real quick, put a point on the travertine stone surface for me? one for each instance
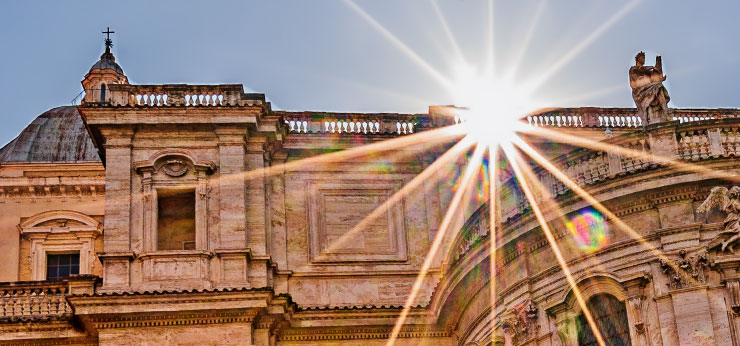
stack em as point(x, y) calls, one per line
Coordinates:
point(278, 256)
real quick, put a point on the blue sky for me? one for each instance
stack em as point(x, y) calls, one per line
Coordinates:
point(324, 55)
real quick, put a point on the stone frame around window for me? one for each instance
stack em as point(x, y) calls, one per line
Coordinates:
point(173, 170)
point(60, 238)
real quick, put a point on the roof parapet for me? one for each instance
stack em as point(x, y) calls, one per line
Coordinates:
point(182, 95)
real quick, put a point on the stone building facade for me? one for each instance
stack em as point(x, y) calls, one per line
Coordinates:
point(196, 214)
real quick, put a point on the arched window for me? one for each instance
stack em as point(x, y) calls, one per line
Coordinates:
point(102, 92)
point(610, 316)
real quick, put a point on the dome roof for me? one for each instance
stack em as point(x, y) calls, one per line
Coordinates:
point(107, 64)
point(107, 61)
point(57, 135)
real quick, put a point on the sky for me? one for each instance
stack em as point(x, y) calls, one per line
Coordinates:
point(369, 56)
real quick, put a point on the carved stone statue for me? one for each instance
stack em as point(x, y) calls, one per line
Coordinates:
point(727, 201)
point(650, 96)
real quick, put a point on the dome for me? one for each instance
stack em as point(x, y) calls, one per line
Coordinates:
point(107, 64)
point(107, 61)
point(57, 135)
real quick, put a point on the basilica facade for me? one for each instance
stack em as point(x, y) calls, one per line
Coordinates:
point(179, 214)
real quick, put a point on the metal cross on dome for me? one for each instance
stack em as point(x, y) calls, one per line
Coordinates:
point(108, 41)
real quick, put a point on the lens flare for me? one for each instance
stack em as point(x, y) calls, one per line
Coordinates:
point(588, 230)
point(491, 107)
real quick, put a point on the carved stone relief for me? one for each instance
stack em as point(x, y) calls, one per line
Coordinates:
point(687, 271)
point(523, 324)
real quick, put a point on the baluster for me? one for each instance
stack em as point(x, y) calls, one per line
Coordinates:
point(32, 302)
point(731, 142)
point(24, 303)
point(696, 150)
point(682, 145)
point(65, 307)
point(706, 150)
point(4, 300)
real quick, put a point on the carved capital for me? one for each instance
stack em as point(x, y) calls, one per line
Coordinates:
point(523, 323)
point(687, 271)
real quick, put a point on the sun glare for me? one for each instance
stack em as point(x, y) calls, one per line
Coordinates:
point(491, 108)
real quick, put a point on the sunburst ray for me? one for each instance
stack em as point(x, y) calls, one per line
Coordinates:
point(524, 184)
point(470, 172)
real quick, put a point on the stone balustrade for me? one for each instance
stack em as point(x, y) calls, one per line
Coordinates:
point(694, 141)
point(618, 117)
point(352, 124)
point(179, 95)
point(37, 299)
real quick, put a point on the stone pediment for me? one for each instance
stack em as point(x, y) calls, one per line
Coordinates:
point(59, 221)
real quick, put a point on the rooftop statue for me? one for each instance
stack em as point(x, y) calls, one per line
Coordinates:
point(650, 96)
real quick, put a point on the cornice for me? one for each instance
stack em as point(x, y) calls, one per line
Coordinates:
point(174, 318)
point(76, 341)
point(358, 333)
point(47, 187)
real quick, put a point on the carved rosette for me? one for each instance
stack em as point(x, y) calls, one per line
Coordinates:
point(523, 323)
point(688, 271)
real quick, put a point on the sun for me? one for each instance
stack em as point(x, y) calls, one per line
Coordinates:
point(490, 108)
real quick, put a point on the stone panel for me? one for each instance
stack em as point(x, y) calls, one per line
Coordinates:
point(336, 209)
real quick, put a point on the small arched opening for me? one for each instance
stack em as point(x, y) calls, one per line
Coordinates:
point(610, 316)
point(102, 92)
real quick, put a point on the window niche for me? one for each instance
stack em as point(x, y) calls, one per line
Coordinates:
point(176, 219)
point(610, 316)
point(174, 202)
point(60, 243)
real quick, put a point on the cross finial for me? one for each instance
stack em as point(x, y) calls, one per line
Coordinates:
point(108, 41)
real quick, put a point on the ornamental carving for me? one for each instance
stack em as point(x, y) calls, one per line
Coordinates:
point(175, 168)
point(687, 271)
point(728, 202)
point(523, 324)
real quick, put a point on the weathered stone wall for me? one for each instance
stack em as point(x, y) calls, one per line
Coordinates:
point(31, 190)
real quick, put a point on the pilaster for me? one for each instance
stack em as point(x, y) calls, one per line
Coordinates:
point(232, 193)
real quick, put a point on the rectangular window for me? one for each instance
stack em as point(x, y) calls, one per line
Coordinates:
point(175, 219)
point(62, 266)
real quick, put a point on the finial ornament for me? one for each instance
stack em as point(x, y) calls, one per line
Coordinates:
point(651, 97)
point(108, 41)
